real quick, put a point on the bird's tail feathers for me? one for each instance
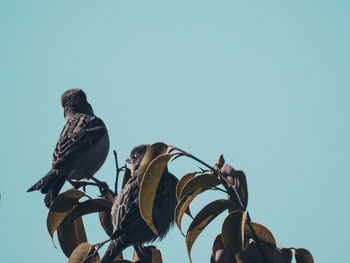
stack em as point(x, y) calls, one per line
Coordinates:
point(46, 180)
point(54, 190)
point(50, 185)
point(113, 250)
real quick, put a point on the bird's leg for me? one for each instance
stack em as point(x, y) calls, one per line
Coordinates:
point(77, 184)
point(102, 186)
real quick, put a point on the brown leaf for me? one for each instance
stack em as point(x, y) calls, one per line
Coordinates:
point(106, 218)
point(182, 182)
point(84, 253)
point(151, 153)
point(262, 233)
point(61, 206)
point(203, 218)
point(303, 255)
point(233, 231)
point(183, 205)
point(252, 254)
point(148, 188)
point(70, 235)
point(219, 253)
point(203, 181)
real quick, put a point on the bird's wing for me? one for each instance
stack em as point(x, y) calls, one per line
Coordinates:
point(80, 133)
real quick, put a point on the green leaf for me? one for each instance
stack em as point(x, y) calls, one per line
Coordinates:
point(151, 153)
point(303, 255)
point(233, 231)
point(148, 188)
point(182, 182)
point(83, 253)
point(262, 233)
point(61, 206)
point(203, 218)
point(70, 235)
point(205, 181)
point(183, 205)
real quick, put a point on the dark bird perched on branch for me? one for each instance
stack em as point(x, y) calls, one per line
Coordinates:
point(128, 225)
point(81, 148)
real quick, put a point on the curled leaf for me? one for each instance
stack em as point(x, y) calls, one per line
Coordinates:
point(233, 231)
point(204, 181)
point(243, 188)
point(261, 232)
point(183, 205)
point(182, 182)
point(70, 235)
point(151, 153)
point(303, 255)
point(90, 206)
point(203, 218)
point(84, 253)
point(148, 188)
point(61, 206)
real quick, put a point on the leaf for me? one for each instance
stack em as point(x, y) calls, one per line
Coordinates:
point(283, 255)
point(243, 188)
point(150, 254)
point(183, 205)
point(303, 255)
point(253, 253)
point(70, 235)
point(151, 153)
point(90, 206)
point(220, 162)
point(106, 218)
point(156, 254)
point(182, 182)
point(81, 253)
point(262, 233)
point(219, 253)
point(148, 188)
point(61, 206)
point(230, 174)
point(203, 218)
point(201, 181)
point(233, 230)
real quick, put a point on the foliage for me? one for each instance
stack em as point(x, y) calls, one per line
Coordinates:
point(240, 240)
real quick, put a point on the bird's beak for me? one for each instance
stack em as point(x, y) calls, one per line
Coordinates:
point(128, 160)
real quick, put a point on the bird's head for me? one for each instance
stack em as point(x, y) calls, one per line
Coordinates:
point(136, 156)
point(74, 101)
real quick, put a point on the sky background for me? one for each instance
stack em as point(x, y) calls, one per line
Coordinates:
point(266, 83)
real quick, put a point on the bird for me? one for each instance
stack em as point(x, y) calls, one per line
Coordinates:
point(81, 149)
point(128, 225)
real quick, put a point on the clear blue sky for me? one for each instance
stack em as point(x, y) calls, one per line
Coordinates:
point(266, 83)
